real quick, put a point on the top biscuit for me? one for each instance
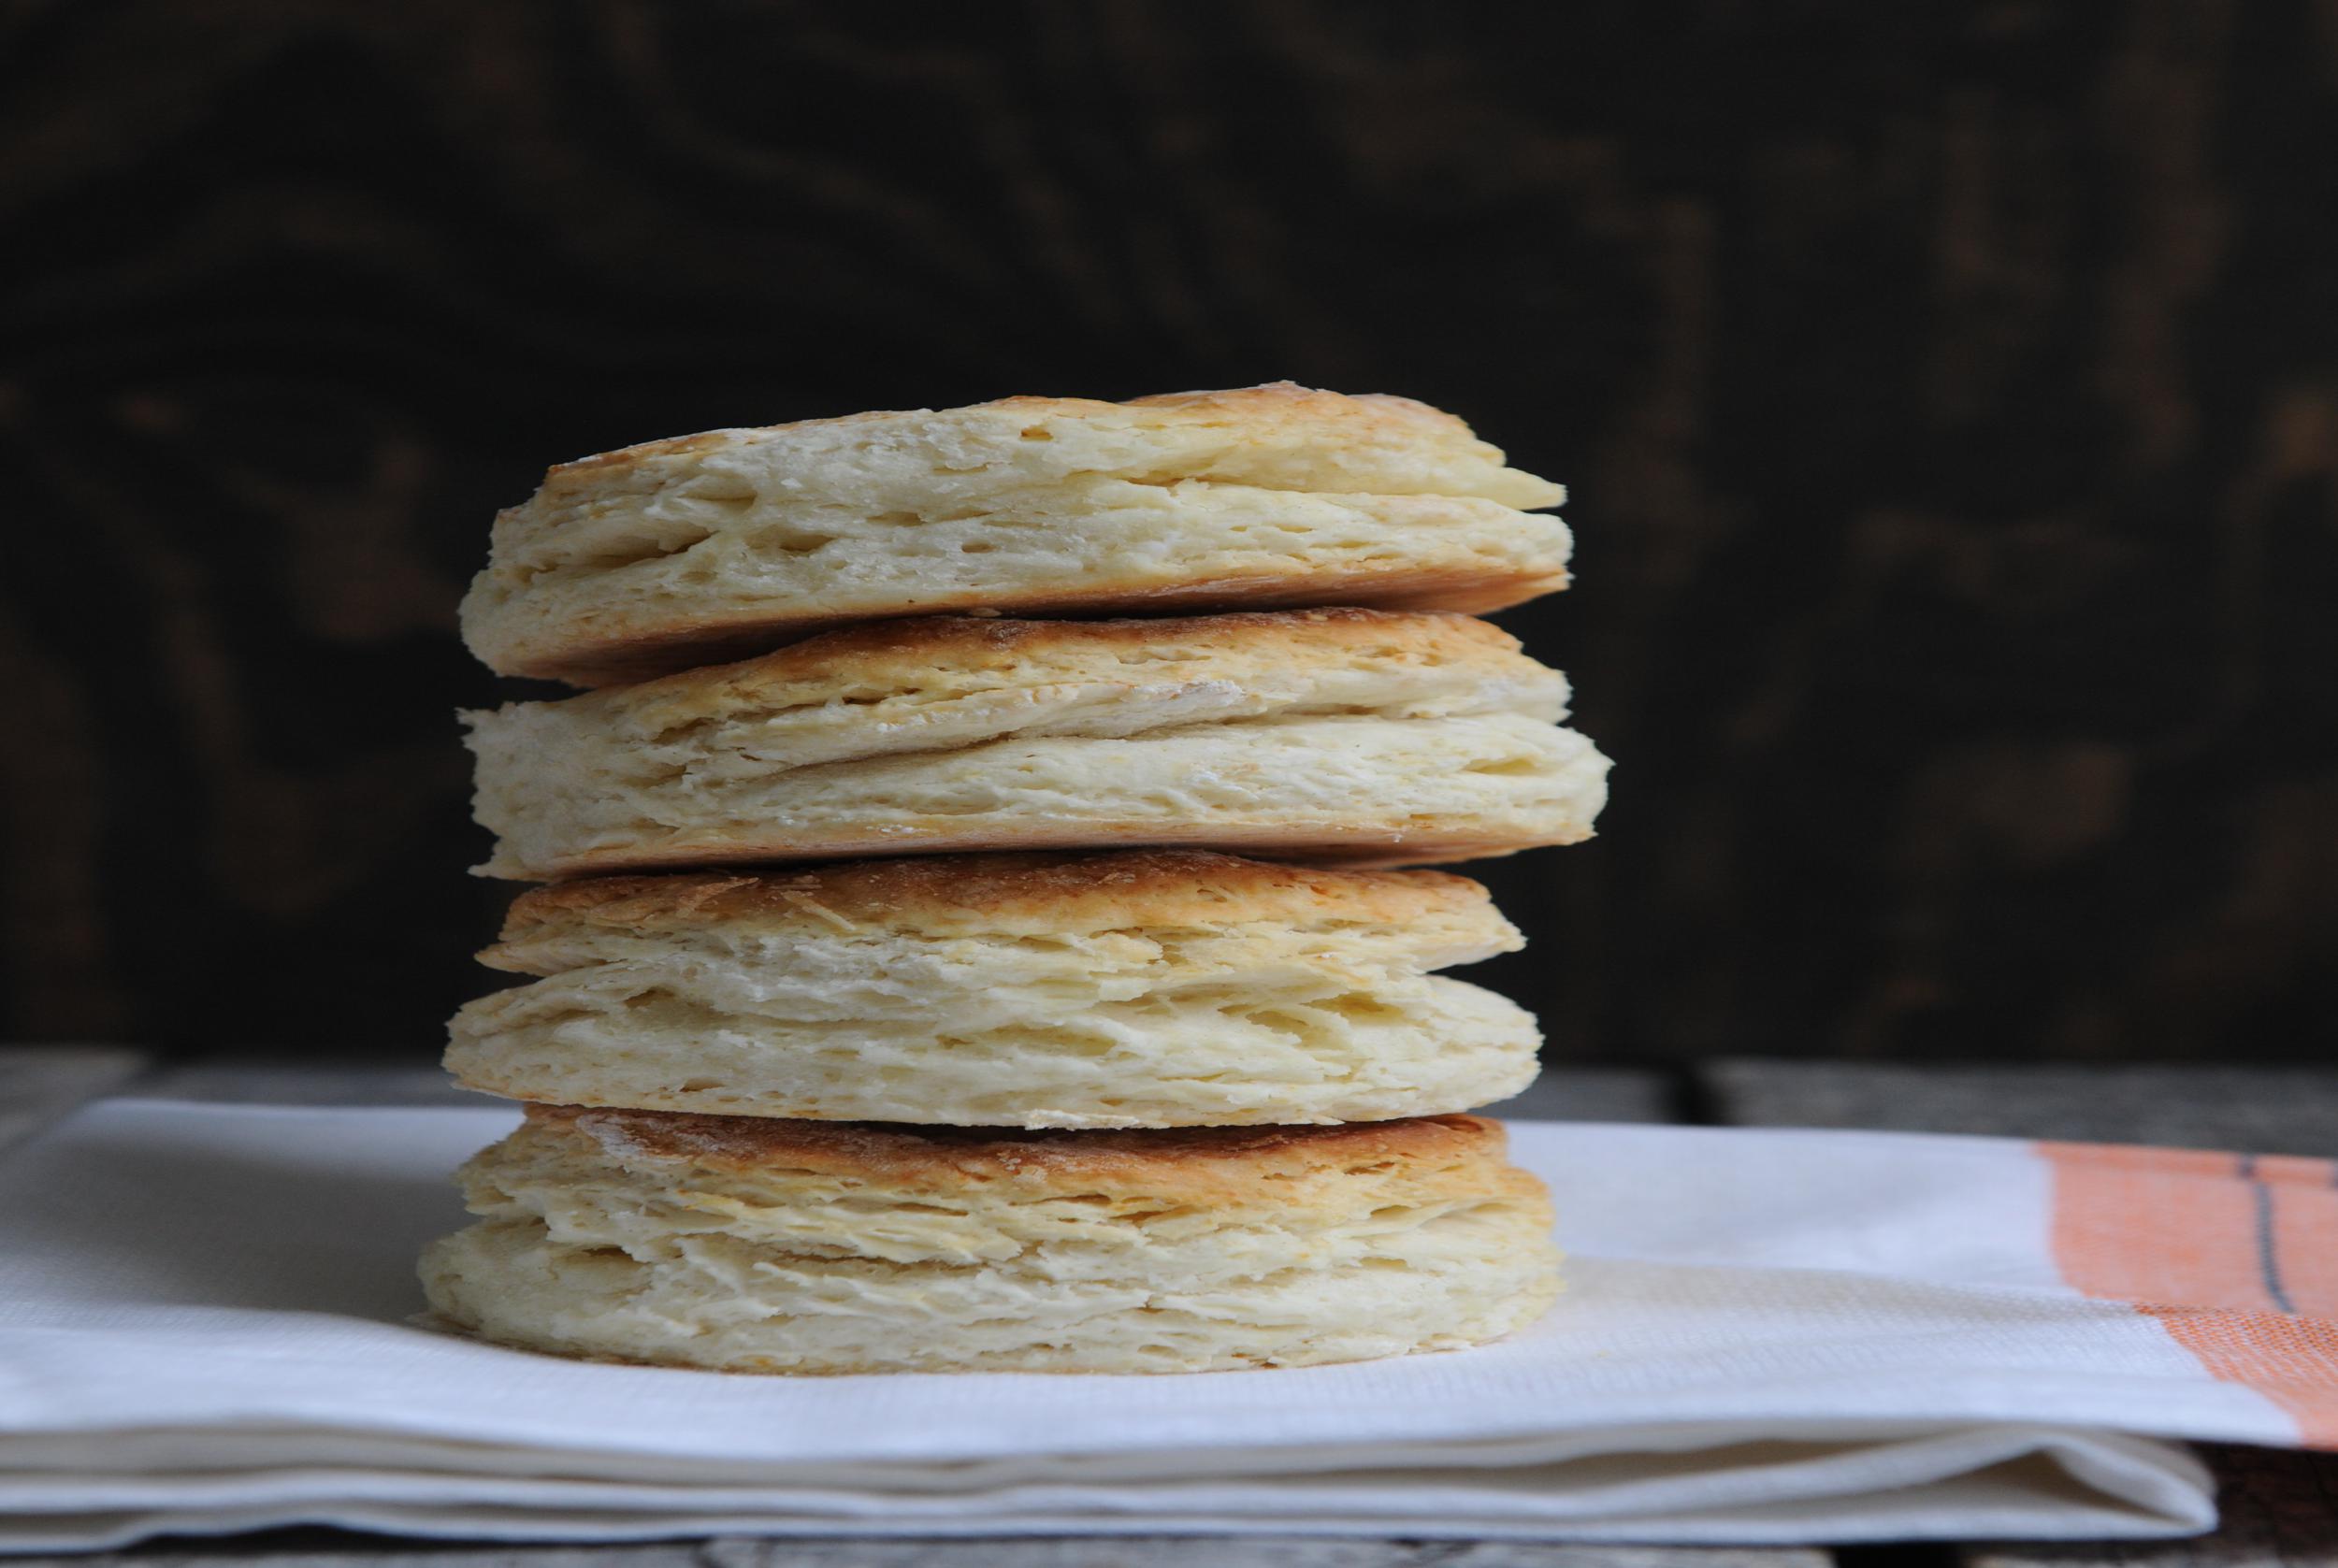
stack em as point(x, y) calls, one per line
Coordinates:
point(704, 548)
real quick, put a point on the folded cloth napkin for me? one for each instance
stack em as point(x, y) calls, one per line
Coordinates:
point(1767, 1336)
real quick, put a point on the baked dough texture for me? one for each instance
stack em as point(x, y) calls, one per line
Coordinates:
point(1364, 736)
point(709, 547)
point(750, 1244)
point(1144, 988)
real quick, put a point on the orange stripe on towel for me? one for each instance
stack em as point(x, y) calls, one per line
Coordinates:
point(2236, 1255)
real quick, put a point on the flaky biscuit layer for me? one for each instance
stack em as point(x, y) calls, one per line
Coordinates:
point(1351, 735)
point(706, 547)
point(1160, 988)
point(757, 1245)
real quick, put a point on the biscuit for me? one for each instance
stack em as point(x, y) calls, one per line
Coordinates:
point(710, 547)
point(749, 1245)
point(1145, 989)
point(1358, 735)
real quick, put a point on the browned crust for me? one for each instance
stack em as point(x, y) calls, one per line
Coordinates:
point(1281, 403)
point(1007, 892)
point(906, 654)
point(1276, 408)
point(588, 657)
point(955, 1158)
point(590, 468)
point(1360, 846)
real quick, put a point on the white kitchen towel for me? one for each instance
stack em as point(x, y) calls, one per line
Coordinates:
point(1767, 1336)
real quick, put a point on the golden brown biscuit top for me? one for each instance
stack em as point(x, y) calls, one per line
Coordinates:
point(1419, 1154)
point(865, 663)
point(907, 649)
point(1007, 893)
point(1275, 414)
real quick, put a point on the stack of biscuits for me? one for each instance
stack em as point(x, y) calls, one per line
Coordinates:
point(967, 939)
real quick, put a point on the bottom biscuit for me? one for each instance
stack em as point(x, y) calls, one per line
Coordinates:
point(754, 1244)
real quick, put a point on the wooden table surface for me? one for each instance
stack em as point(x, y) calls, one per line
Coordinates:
point(2280, 1508)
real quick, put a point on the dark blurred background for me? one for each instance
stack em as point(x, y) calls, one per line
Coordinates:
point(1949, 395)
